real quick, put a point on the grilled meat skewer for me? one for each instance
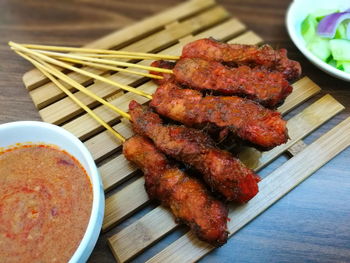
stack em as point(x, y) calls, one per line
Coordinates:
point(246, 119)
point(264, 57)
point(187, 198)
point(221, 171)
point(267, 88)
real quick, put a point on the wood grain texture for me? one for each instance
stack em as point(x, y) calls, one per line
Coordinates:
point(309, 224)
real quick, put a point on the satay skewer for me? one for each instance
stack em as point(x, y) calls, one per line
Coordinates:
point(205, 215)
point(100, 60)
point(51, 70)
point(256, 129)
point(117, 53)
point(103, 66)
point(240, 182)
point(78, 70)
point(111, 56)
point(40, 66)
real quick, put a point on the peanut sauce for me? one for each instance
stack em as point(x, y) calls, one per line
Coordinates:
point(45, 204)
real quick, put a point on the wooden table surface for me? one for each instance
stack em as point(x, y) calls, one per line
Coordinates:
point(310, 224)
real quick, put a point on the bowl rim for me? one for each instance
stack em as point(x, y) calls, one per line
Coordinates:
point(94, 225)
point(298, 41)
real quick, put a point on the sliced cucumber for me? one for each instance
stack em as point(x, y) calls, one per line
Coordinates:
point(336, 51)
point(340, 49)
point(321, 13)
point(343, 65)
point(339, 64)
point(346, 66)
point(341, 32)
point(308, 28)
point(333, 62)
point(320, 48)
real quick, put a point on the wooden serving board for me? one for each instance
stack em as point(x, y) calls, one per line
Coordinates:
point(166, 33)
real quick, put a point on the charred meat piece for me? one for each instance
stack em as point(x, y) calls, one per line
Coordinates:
point(221, 171)
point(215, 132)
point(264, 57)
point(187, 198)
point(166, 76)
point(267, 88)
point(246, 119)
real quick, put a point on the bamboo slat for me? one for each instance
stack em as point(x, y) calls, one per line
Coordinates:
point(250, 38)
point(123, 197)
point(116, 170)
point(83, 126)
point(297, 148)
point(298, 126)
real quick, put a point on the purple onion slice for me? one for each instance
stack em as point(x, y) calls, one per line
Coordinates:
point(328, 25)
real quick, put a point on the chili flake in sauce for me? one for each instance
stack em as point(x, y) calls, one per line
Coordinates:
point(45, 204)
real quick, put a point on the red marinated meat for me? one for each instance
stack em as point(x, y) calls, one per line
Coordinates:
point(267, 88)
point(166, 76)
point(246, 119)
point(187, 197)
point(220, 170)
point(263, 57)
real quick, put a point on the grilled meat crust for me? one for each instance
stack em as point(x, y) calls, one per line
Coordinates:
point(220, 170)
point(246, 119)
point(187, 197)
point(267, 88)
point(264, 57)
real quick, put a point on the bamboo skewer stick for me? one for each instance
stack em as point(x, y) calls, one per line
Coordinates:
point(42, 68)
point(102, 51)
point(83, 72)
point(103, 61)
point(111, 56)
point(78, 86)
point(103, 66)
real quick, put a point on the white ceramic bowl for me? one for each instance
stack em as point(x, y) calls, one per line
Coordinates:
point(296, 13)
point(33, 132)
